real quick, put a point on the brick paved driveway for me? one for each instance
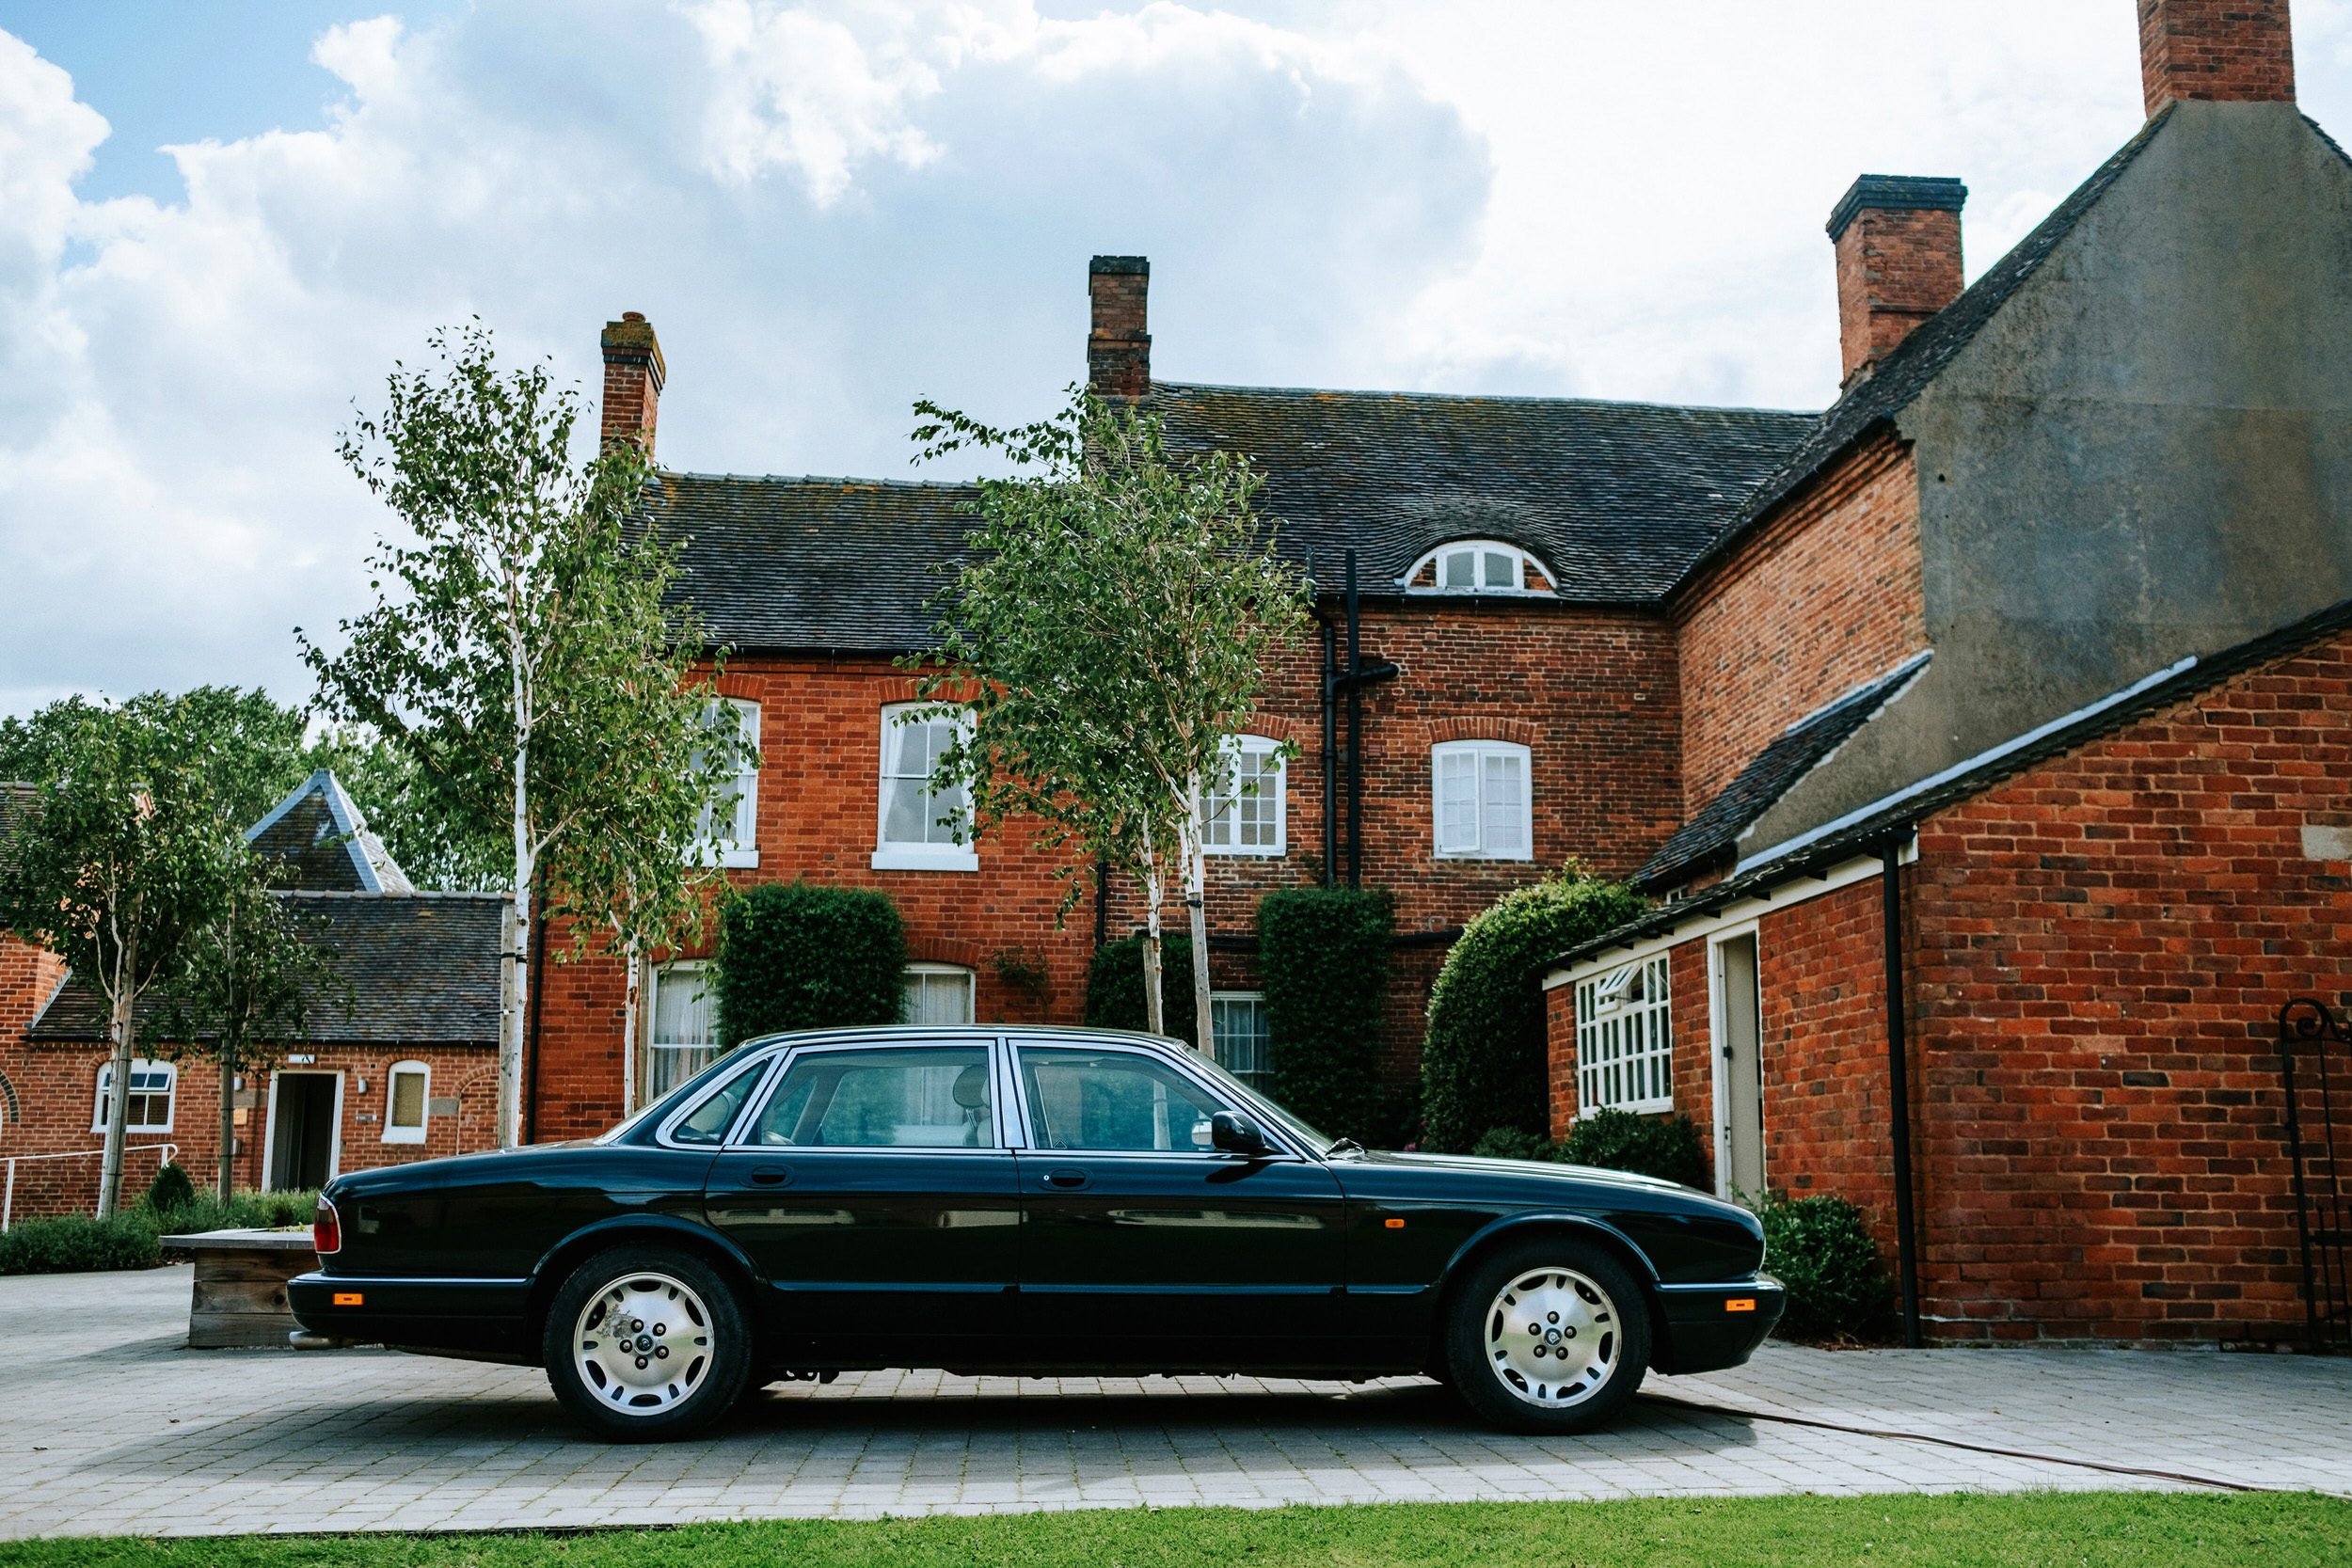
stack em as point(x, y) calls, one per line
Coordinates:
point(112, 1426)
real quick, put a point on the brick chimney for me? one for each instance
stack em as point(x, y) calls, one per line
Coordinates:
point(1897, 242)
point(1119, 349)
point(2235, 51)
point(632, 380)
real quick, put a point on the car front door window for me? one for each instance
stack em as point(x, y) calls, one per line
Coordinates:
point(1114, 1103)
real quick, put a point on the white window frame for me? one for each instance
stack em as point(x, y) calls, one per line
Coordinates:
point(1625, 1038)
point(971, 986)
point(678, 970)
point(171, 1092)
point(1519, 562)
point(1482, 751)
point(1260, 1079)
point(394, 1133)
point(1277, 785)
point(900, 855)
point(739, 844)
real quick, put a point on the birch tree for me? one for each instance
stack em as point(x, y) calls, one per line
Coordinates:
point(1109, 634)
point(523, 648)
point(113, 861)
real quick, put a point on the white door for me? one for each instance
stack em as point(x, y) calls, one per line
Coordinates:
point(1739, 1070)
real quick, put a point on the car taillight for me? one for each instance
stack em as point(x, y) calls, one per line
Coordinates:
point(326, 1229)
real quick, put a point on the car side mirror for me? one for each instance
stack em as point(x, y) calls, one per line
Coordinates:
point(1232, 1133)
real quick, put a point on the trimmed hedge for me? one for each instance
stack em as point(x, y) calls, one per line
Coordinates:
point(1821, 1252)
point(1482, 1059)
point(1323, 959)
point(797, 956)
point(76, 1243)
point(1114, 997)
point(172, 1189)
point(1667, 1147)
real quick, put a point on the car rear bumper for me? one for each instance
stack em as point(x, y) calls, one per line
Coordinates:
point(1709, 1327)
point(482, 1316)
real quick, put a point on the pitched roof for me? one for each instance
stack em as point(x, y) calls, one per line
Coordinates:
point(420, 968)
point(777, 563)
point(321, 834)
point(1613, 497)
point(1894, 815)
point(1906, 372)
point(1711, 837)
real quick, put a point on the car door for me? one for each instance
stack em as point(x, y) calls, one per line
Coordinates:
point(1142, 1245)
point(873, 1190)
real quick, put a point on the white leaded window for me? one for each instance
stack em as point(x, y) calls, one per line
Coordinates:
point(1237, 1035)
point(1244, 812)
point(728, 834)
point(1624, 1039)
point(151, 1087)
point(937, 994)
point(406, 1089)
point(922, 829)
point(1480, 788)
point(1478, 566)
point(683, 1037)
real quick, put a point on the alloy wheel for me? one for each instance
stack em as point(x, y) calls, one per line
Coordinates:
point(1552, 1338)
point(643, 1344)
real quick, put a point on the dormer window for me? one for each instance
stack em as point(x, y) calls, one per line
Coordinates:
point(1478, 566)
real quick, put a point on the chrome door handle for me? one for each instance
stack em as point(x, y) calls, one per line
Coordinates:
point(1066, 1180)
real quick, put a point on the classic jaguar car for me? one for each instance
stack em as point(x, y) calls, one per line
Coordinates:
point(1024, 1200)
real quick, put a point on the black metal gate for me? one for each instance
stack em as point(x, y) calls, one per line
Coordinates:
point(2315, 1060)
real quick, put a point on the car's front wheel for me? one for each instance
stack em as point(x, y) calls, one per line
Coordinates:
point(645, 1345)
point(1547, 1335)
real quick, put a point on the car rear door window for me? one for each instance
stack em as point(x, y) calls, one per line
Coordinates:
point(910, 1097)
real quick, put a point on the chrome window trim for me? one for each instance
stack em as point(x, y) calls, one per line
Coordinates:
point(914, 1036)
point(1284, 1148)
point(757, 1096)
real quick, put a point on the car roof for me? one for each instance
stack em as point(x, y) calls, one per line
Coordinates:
point(883, 1032)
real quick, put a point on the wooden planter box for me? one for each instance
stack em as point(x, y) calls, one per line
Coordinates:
point(240, 1294)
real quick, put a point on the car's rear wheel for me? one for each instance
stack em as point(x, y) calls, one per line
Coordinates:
point(643, 1345)
point(1547, 1335)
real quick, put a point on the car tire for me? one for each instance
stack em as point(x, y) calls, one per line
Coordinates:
point(1547, 1335)
point(680, 1360)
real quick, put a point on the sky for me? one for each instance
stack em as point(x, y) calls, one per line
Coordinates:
point(222, 222)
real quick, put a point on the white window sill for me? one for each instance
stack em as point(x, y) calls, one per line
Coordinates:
point(744, 860)
point(405, 1136)
point(1479, 855)
point(940, 857)
point(1251, 853)
point(1639, 1107)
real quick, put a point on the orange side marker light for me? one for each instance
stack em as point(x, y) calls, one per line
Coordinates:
point(1740, 1304)
point(1393, 1224)
point(350, 1298)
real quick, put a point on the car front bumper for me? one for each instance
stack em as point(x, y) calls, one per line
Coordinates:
point(1706, 1328)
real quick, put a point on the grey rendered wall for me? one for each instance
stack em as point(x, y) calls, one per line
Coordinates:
point(2145, 454)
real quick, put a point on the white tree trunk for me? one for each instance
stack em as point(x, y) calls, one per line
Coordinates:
point(1196, 902)
point(516, 994)
point(117, 1102)
point(1153, 1019)
point(632, 994)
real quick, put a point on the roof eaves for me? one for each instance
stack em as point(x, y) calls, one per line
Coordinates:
point(1894, 815)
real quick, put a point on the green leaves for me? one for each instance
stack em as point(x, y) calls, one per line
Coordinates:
point(1323, 954)
point(795, 956)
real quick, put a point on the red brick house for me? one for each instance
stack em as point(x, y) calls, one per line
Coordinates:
point(401, 1065)
point(2017, 725)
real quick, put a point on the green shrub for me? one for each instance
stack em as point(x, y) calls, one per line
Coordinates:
point(1115, 987)
point(205, 1211)
point(75, 1244)
point(1821, 1251)
point(1667, 1147)
point(796, 955)
point(1323, 958)
point(172, 1189)
point(1510, 1143)
point(1482, 1059)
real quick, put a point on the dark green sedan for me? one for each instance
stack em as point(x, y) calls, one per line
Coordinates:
point(1024, 1200)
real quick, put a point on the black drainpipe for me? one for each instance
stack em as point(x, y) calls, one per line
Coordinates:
point(1330, 760)
point(1899, 1089)
point(1101, 902)
point(1355, 678)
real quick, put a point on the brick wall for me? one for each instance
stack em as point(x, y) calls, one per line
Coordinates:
point(1824, 597)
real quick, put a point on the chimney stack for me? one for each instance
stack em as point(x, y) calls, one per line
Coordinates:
point(1897, 242)
point(632, 380)
point(2235, 51)
point(1118, 348)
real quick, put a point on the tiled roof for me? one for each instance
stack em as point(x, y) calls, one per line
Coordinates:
point(1615, 497)
point(1906, 372)
point(422, 968)
point(1711, 838)
point(814, 564)
point(319, 833)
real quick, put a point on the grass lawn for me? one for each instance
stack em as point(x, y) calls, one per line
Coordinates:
point(2271, 1531)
